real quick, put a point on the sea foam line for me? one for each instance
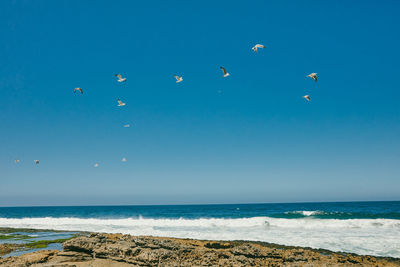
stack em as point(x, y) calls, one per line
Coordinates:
point(202, 222)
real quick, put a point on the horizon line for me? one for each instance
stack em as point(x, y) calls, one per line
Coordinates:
point(197, 204)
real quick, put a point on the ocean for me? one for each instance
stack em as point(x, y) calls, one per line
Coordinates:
point(367, 228)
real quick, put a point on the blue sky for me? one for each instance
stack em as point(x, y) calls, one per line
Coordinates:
point(255, 141)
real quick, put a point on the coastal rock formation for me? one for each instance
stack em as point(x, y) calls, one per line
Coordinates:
point(7, 248)
point(125, 250)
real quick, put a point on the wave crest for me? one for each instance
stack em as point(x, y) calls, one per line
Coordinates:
point(306, 212)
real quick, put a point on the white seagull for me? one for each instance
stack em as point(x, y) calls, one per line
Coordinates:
point(127, 125)
point(226, 74)
point(78, 89)
point(120, 103)
point(255, 48)
point(178, 78)
point(307, 97)
point(17, 161)
point(120, 79)
point(96, 165)
point(36, 161)
point(123, 160)
point(313, 76)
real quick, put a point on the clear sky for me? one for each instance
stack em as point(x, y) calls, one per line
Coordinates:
point(246, 138)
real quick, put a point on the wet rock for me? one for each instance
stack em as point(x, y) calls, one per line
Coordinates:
point(5, 249)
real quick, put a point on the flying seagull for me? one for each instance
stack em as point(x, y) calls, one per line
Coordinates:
point(120, 103)
point(78, 89)
point(255, 48)
point(313, 76)
point(226, 74)
point(123, 160)
point(120, 79)
point(307, 97)
point(36, 161)
point(17, 161)
point(127, 125)
point(178, 78)
point(96, 165)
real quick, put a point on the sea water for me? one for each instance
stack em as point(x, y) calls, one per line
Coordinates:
point(371, 228)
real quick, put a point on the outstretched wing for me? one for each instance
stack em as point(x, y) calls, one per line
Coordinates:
point(223, 69)
point(119, 76)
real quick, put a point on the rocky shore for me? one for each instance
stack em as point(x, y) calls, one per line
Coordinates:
point(118, 250)
point(7, 248)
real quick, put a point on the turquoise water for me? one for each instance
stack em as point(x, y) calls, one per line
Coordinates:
point(37, 236)
point(331, 210)
point(371, 228)
point(53, 246)
point(28, 237)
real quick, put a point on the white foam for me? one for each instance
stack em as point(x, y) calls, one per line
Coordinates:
point(380, 237)
point(305, 212)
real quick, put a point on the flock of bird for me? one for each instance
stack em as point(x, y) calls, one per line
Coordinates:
point(178, 80)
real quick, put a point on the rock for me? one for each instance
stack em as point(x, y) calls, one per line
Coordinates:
point(7, 248)
point(30, 259)
point(118, 250)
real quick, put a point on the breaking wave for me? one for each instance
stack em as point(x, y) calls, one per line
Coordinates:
point(307, 212)
point(336, 215)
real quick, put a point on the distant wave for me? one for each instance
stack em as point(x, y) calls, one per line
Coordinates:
point(306, 212)
point(336, 215)
point(326, 214)
point(380, 237)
